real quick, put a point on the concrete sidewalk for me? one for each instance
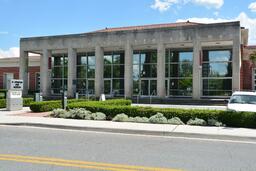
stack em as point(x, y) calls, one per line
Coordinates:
point(130, 128)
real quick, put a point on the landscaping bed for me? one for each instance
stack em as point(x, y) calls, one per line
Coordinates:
point(121, 110)
point(26, 102)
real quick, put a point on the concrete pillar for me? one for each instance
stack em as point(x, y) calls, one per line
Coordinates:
point(99, 71)
point(45, 84)
point(161, 92)
point(236, 63)
point(71, 72)
point(23, 72)
point(197, 70)
point(128, 69)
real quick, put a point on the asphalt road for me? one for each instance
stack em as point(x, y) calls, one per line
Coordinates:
point(36, 149)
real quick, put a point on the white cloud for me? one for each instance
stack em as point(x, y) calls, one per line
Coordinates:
point(252, 7)
point(11, 52)
point(245, 21)
point(164, 5)
point(209, 3)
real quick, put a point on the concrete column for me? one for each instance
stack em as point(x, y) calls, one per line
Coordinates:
point(45, 84)
point(23, 72)
point(236, 64)
point(161, 92)
point(128, 68)
point(99, 71)
point(197, 70)
point(71, 72)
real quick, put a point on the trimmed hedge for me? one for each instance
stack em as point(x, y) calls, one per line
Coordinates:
point(46, 106)
point(229, 118)
point(26, 102)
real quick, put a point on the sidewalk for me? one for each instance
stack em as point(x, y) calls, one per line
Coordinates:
point(124, 127)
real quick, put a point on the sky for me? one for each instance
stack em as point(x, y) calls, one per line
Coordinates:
point(28, 18)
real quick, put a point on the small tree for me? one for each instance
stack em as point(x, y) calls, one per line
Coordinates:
point(253, 57)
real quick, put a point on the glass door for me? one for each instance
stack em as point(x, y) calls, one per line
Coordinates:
point(148, 87)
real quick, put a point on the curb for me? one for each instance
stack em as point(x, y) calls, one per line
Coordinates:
point(136, 132)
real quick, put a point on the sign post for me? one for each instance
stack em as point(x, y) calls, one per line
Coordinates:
point(14, 95)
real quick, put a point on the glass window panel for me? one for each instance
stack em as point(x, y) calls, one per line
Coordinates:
point(174, 70)
point(217, 55)
point(91, 86)
point(81, 71)
point(136, 72)
point(57, 72)
point(91, 60)
point(56, 61)
point(153, 57)
point(185, 56)
point(65, 72)
point(118, 71)
point(107, 86)
point(217, 84)
point(153, 87)
point(107, 71)
point(90, 71)
point(56, 84)
point(108, 59)
point(144, 87)
point(185, 70)
point(136, 88)
point(217, 69)
point(167, 56)
point(118, 58)
point(65, 58)
point(174, 57)
point(142, 58)
point(118, 86)
point(136, 58)
point(166, 70)
point(81, 84)
point(148, 71)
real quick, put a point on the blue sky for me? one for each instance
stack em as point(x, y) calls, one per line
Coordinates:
point(26, 18)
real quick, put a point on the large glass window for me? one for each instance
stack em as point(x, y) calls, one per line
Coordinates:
point(85, 73)
point(217, 72)
point(114, 73)
point(144, 72)
point(59, 73)
point(179, 72)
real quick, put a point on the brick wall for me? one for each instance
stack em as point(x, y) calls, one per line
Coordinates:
point(246, 75)
point(15, 70)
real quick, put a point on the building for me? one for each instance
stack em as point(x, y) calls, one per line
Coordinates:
point(9, 69)
point(185, 59)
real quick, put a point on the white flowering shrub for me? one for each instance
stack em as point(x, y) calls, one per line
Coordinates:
point(196, 121)
point(98, 116)
point(79, 114)
point(158, 118)
point(175, 121)
point(138, 119)
point(58, 113)
point(214, 122)
point(121, 118)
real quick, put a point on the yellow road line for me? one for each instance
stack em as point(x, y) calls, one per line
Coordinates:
point(58, 161)
point(64, 164)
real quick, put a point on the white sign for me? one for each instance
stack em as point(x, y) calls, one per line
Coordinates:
point(15, 85)
point(102, 97)
point(15, 94)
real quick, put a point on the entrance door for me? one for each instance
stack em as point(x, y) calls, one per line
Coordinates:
point(148, 87)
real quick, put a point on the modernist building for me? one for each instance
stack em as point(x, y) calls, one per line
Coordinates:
point(165, 60)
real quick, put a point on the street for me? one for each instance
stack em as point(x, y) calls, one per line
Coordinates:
point(43, 149)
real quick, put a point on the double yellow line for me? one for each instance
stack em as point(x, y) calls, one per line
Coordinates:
point(77, 163)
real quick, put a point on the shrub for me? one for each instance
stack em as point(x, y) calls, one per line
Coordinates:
point(26, 102)
point(98, 116)
point(214, 122)
point(175, 121)
point(45, 106)
point(79, 114)
point(196, 121)
point(121, 118)
point(58, 112)
point(159, 118)
point(138, 119)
